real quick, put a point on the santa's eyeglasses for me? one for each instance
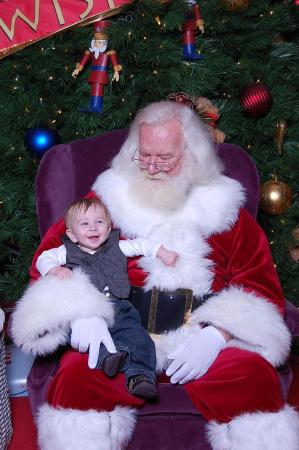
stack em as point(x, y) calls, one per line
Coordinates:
point(144, 163)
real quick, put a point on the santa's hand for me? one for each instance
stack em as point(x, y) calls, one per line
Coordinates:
point(193, 358)
point(60, 272)
point(168, 257)
point(88, 334)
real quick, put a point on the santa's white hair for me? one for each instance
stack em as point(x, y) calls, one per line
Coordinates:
point(198, 142)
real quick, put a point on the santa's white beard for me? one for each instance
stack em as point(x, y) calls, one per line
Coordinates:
point(160, 190)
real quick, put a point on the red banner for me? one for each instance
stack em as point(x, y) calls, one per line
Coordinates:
point(23, 22)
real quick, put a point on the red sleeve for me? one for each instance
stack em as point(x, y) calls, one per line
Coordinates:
point(51, 239)
point(197, 12)
point(85, 58)
point(242, 258)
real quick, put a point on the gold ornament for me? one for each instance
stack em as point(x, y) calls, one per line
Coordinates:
point(295, 234)
point(235, 5)
point(294, 252)
point(294, 248)
point(275, 197)
point(281, 131)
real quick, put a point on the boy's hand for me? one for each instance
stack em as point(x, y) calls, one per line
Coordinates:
point(168, 257)
point(60, 272)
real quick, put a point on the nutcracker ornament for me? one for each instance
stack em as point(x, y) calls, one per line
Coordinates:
point(100, 59)
point(192, 24)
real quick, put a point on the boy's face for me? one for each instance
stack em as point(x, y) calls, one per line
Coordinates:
point(90, 228)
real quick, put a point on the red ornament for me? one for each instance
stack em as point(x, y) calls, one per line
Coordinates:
point(181, 97)
point(256, 100)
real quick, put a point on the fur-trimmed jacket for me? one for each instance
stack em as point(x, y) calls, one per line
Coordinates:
point(222, 251)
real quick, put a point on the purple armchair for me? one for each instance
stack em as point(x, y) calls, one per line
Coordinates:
point(67, 172)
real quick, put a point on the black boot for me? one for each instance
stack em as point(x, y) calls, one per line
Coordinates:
point(113, 362)
point(142, 386)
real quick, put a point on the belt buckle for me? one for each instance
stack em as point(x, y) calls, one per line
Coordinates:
point(188, 293)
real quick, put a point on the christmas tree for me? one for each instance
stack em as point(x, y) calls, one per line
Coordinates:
point(245, 44)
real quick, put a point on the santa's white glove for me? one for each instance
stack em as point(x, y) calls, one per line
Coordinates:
point(88, 334)
point(192, 359)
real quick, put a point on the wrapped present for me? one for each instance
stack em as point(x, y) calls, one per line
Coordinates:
point(18, 363)
point(5, 414)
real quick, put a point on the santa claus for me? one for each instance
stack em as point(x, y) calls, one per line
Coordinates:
point(166, 184)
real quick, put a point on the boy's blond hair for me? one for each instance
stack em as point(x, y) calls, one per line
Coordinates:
point(84, 204)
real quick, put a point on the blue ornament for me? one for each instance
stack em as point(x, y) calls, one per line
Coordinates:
point(39, 140)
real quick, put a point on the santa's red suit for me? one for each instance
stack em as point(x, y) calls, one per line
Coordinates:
point(222, 251)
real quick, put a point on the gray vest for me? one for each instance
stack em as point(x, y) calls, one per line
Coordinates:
point(106, 267)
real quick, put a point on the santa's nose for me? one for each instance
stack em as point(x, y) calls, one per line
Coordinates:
point(152, 169)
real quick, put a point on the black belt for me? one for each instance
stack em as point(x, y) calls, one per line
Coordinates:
point(162, 311)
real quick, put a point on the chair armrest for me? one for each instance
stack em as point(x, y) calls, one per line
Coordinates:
point(292, 318)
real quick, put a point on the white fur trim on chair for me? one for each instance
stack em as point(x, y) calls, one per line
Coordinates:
point(257, 431)
point(42, 317)
point(69, 429)
point(254, 322)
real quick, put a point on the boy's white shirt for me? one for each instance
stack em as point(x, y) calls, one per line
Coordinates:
point(130, 247)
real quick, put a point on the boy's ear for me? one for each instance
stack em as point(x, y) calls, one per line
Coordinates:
point(71, 236)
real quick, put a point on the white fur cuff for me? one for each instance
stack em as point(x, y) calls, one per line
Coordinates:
point(69, 429)
point(254, 322)
point(42, 317)
point(257, 431)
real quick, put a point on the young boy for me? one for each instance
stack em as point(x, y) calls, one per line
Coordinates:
point(90, 244)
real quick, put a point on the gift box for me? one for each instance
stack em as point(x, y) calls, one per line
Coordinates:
point(5, 413)
point(18, 363)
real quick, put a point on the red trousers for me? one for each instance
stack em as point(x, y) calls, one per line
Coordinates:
point(238, 381)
